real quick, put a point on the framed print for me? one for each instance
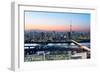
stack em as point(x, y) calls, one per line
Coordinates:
point(49, 36)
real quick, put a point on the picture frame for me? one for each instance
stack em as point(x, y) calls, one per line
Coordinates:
point(19, 13)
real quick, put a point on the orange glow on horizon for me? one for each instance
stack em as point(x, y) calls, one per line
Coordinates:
point(47, 27)
point(54, 27)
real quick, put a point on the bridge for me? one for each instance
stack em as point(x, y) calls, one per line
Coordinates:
point(80, 45)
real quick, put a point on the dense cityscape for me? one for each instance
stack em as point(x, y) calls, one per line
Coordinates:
point(54, 36)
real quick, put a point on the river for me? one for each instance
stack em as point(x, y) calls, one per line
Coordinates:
point(87, 44)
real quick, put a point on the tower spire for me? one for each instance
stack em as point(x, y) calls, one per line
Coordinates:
point(70, 29)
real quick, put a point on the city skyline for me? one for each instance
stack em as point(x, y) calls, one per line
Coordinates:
point(52, 21)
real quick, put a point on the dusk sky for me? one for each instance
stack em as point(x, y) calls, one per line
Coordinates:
point(51, 21)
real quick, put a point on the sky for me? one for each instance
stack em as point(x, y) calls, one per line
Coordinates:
point(57, 21)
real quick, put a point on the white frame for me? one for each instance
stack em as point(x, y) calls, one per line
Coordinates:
point(17, 59)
